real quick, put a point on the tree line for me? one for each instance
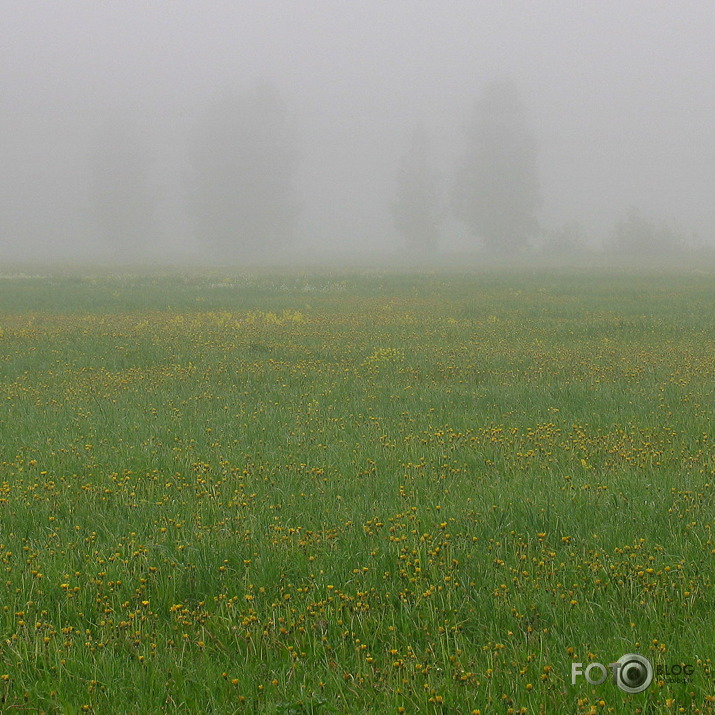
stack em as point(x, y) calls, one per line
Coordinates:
point(243, 168)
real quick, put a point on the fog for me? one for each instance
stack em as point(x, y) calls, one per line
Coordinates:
point(128, 129)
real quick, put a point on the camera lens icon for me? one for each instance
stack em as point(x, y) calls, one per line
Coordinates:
point(634, 673)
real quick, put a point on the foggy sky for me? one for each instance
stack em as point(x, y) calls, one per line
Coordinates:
point(620, 96)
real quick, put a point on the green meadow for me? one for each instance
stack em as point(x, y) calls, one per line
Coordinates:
point(356, 492)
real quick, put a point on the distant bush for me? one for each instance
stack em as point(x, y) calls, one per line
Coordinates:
point(636, 234)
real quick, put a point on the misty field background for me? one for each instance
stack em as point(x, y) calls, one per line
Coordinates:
point(345, 492)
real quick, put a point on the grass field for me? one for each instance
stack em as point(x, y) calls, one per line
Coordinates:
point(355, 493)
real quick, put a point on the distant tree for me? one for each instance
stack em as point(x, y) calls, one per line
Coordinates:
point(242, 167)
point(637, 235)
point(119, 190)
point(496, 193)
point(416, 207)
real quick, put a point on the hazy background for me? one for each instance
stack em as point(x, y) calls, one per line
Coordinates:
point(620, 97)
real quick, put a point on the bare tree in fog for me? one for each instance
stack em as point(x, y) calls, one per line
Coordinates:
point(416, 208)
point(243, 163)
point(119, 190)
point(496, 192)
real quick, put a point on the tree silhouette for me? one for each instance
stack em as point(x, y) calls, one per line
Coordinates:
point(639, 236)
point(496, 192)
point(243, 160)
point(416, 207)
point(119, 190)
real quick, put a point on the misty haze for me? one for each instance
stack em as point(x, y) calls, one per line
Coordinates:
point(182, 132)
point(357, 357)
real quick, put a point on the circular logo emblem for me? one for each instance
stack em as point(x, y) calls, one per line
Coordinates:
point(634, 674)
